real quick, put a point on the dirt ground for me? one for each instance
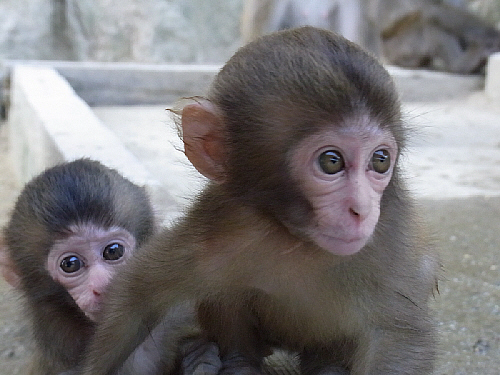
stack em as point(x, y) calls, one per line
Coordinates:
point(467, 232)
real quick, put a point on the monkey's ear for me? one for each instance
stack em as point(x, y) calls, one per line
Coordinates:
point(202, 134)
point(7, 268)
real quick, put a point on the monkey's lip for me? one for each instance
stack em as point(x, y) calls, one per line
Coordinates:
point(341, 239)
point(340, 245)
point(344, 240)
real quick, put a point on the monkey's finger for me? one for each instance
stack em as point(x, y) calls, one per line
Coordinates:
point(200, 358)
point(282, 363)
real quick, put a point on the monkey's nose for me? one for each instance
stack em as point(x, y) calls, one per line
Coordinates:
point(353, 212)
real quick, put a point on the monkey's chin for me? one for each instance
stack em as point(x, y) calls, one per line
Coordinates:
point(340, 246)
point(92, 311)
point(92, 316)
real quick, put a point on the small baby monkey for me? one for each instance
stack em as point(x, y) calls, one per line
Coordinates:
point(70, 230)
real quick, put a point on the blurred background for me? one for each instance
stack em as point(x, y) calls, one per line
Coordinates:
point(450, 35)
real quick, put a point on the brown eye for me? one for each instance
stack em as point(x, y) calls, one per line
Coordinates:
point(71, 264)
point(113, 251)
point(331, 162)
point(381, 161)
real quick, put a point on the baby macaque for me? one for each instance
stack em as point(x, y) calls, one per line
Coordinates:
point(306, 239)
point(71, 230)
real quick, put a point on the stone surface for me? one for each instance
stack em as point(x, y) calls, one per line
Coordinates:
point(119, 30)
point(151, 31)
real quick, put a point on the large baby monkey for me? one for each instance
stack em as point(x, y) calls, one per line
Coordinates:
point(71, 228)
point(306, 239)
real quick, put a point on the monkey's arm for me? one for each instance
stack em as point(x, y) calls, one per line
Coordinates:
point(164, 347)
point(162, 351)
point(402, 337)
point(200, 357)
point(396, 352)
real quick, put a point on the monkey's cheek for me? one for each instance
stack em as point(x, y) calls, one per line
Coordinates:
point(340, 246)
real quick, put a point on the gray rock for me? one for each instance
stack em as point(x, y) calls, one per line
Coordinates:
point(120, 30)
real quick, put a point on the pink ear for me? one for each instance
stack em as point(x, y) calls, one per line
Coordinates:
point(202, 133)
point(7, 268)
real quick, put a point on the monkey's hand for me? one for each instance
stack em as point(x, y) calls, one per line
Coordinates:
point(282, 362)
point(200, 357)
point(237, 364)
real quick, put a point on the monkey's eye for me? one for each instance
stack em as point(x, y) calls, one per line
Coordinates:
point(71, 264)
point(331, 162)
point(113, 251)
point(381, 161)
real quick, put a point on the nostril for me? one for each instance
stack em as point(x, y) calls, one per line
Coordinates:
point(353, 212)
point(96, 293)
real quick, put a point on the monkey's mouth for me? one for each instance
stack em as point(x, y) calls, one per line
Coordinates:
point(346, 241)
point(339, 235)
point(340, 245)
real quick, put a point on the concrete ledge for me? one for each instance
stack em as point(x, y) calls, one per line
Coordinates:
point(136, 84)
point(50, 123)
point(492, 86)
point(127, 83)
point(427, 86)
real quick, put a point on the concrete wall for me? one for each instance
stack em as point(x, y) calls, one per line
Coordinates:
point(153, 31)
point(124, 83)
point(50, 123)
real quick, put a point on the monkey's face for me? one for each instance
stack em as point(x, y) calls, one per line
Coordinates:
point(85, 262)
point(343, 172)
